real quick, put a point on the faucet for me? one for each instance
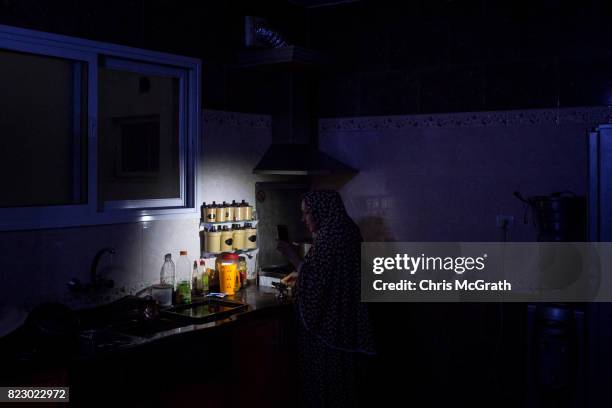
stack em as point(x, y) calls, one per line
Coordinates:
point(96, 282)
point(95, 279)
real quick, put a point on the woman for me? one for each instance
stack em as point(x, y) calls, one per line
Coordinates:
point(335, 337)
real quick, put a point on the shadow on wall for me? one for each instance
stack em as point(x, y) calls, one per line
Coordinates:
point(331, 182)
point(374, 229)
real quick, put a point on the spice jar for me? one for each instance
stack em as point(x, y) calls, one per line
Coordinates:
point(226, 239)
point(210, 212)
point(238, 213)
point(250, 240)
point(248, 211)
point(213, 240)
point(203, 211)
point(220, 211)
point(238, 235)
point(229, 211)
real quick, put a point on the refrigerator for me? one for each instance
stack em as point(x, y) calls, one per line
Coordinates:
point(599, 315)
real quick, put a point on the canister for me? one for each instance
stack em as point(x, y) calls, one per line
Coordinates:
point(233, 206)
point(238, 237)
point(203, 211)
point(229, 212)
point(213, 241)
point(210, 212)
point(220, 211)
point(226, 239)
point(250, 240)
point(248, 211)
point(239, 213)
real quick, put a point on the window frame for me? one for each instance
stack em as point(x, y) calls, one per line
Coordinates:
point(95, 212)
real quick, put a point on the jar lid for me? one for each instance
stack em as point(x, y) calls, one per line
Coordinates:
point(228, 256)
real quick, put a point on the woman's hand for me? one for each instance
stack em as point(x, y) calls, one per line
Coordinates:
point(290, 251)
point(291, 279)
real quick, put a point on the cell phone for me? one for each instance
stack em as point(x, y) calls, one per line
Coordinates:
point(283, 233)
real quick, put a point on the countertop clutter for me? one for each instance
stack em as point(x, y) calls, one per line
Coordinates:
point(256, 301)
point(157, 366)
point(125, 323)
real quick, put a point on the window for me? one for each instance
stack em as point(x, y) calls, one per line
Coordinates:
point(140, 117)
point(43, 115)
point(94, 133)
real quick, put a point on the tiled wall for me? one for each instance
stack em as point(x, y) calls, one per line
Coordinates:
point(446, 177)
point(36, 265)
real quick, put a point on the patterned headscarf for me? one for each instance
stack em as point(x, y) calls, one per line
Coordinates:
point(326, 206)
point(329, 283)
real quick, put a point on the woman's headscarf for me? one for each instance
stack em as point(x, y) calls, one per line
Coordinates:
point(329, 283)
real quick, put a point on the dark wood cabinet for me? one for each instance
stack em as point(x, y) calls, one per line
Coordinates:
point(242, 362)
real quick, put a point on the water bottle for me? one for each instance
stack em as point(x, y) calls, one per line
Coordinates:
point(183, 279)
point(162, 292)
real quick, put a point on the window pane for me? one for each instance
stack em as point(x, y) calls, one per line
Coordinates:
point(138, 136)
point(42, 130)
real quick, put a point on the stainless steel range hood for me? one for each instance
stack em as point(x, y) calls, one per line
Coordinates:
point(299, 160)
point(294, 149)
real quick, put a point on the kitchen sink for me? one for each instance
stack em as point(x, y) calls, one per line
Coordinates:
point(119, 323)
point(207, 310)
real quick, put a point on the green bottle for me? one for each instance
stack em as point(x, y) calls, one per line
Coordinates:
point(183, 279)
point(205, 282)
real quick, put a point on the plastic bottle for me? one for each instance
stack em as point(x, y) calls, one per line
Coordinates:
point(162, 292)
point(183, 279)
point(203, 276)
point(196, 281)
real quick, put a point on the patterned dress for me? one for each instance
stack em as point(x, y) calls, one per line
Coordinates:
point(335, 335)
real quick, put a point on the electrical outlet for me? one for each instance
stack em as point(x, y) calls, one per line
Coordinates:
point(505, 221)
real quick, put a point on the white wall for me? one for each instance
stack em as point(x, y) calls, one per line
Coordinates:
point(446, 177)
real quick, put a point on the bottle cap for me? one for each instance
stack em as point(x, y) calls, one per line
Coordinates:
point(168, 257)
point(183, 253)
point(228, 256)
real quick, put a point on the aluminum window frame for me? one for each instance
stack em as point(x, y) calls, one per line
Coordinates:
point(92, 212)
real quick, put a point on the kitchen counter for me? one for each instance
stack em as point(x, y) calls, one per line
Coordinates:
point(261, 301)
point(96, 341)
